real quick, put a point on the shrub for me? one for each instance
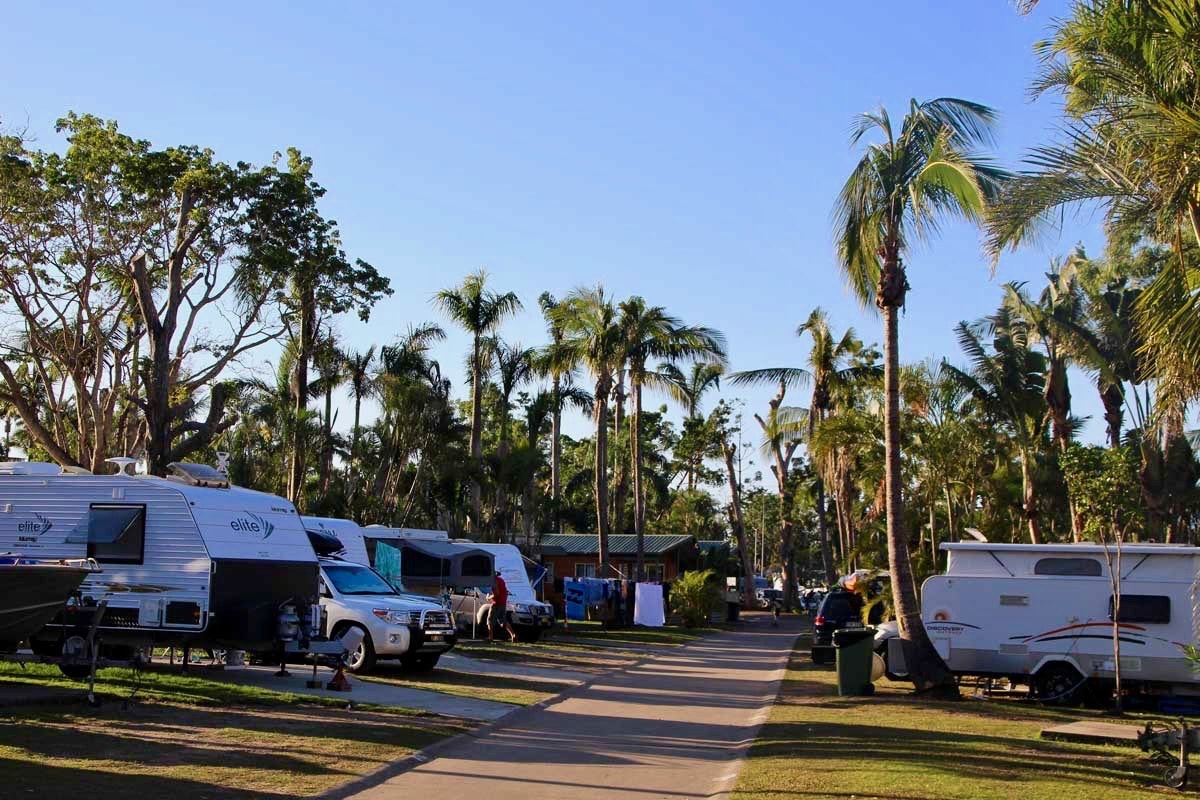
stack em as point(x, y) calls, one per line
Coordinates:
point(694, 596)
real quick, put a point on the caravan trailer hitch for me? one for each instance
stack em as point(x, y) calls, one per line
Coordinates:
point(1160, 739)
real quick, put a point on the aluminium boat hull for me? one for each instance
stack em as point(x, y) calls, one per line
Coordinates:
point(31, 594)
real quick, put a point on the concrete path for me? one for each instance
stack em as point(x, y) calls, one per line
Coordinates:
point(675, 726)
point(510, 669)
point(381, 694)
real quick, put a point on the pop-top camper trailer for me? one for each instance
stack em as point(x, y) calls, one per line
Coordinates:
point(187, 560)
point(1042, 615)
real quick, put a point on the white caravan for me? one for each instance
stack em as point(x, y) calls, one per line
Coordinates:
point(528, 615)
point(186, 560)
point(1042, 615)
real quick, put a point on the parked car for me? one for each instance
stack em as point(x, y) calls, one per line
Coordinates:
point(840, 609)
point(411, 628)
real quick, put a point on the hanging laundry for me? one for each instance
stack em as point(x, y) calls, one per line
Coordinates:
point(648, 606)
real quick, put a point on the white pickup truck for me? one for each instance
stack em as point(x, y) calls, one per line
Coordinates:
point(412, 628)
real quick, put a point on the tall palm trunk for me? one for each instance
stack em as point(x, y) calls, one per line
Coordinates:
point(620, 463)
point(601, 472)
point(502, 520)
point(300, 396)
point(476, 433)
point(556, 455)
point(1113, 399)
point(327, 450)
point(1029, 501)
point(925, 665)
point(823, 532)
point(639, 499)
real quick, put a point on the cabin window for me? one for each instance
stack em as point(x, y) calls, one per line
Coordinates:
point(1149, 608)
point(587, 570)
point(1079, 567)
point(117, 533)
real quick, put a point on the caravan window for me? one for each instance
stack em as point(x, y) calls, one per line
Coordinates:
point(479, 566)
point(1152, 608)
point(117, 533)
point(1083, 567)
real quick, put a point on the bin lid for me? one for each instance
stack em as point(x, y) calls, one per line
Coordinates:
point(848, 636)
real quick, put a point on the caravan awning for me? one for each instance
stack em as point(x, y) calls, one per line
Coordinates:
point(428, 563)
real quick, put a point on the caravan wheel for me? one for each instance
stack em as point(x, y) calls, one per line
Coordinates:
point(1059, 684)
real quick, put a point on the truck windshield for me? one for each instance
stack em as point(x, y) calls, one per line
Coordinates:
point(354, 579)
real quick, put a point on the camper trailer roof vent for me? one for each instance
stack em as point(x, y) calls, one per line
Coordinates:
point(123, 463)
point(198, 475)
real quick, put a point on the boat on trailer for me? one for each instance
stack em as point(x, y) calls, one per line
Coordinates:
point(33, 591)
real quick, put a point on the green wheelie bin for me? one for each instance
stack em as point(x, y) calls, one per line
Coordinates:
point(855, 651)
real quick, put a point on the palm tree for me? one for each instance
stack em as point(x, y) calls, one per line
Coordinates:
point(514, 366)
point(1008, 381)
point(593, 338)
point(479, 311)
point(331, 373)
point(650, 332)
point(360, 377)
point(900, 189)
point(1129, 73)
point(688, 389)
point(548, 304)
point(829, 370)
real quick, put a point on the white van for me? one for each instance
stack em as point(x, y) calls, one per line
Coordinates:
point(411, 628)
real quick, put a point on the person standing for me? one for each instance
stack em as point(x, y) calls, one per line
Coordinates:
point(498, 612)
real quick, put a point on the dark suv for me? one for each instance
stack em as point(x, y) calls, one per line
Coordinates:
point(839, 609)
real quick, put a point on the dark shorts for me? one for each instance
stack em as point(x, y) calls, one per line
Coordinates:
point(496, 616)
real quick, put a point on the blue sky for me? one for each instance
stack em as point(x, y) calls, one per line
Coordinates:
point(687, 152)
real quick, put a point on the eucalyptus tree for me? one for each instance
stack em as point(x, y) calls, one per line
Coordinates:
point(291, 240)
point(593, 339)
point(829, 369)
point(479, 311)
point(651, 332)
point(905, 184)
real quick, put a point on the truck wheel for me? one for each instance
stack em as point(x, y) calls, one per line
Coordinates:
point(420, 663)
point(1058, 684)
point(361, 660)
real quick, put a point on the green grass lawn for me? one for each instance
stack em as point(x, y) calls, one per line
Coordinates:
point(894, 745)
point(190, 737)
point(189, 752)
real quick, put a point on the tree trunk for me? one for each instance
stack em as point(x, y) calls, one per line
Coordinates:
point(601, 476)
point(327, 454)
point(620, 465)
point(556, 455)
point(739, 527)
point(1029, 501)
point(476, 435)
point(928, 671)
point(1113, 398)
point(502, 518)
point(300, 397)
point(787, 546)
point(823, 531)
point(639, 500)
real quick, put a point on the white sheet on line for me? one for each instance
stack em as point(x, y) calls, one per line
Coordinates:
point(648, 606)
